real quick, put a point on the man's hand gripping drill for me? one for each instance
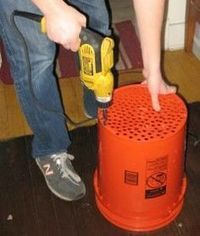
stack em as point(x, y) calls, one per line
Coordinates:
point(95, 60)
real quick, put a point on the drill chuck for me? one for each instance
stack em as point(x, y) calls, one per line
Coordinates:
point(103, 105)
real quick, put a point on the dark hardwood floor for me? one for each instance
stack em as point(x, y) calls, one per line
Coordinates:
point(27, 207)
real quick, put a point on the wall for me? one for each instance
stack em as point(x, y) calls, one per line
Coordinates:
point(174, 34)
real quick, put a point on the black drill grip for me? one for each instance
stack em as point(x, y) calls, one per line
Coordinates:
point(92, 38)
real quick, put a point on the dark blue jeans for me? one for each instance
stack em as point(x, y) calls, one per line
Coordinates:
point(49, 127)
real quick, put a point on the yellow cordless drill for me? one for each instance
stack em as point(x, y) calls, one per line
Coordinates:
point(95, 59)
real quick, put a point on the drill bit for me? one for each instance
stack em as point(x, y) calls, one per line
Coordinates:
point(105, 115)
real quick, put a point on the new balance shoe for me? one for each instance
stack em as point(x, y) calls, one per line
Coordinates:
point(60, 176)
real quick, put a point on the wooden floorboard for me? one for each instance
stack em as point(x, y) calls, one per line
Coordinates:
point(27, 207)
point(16, 199)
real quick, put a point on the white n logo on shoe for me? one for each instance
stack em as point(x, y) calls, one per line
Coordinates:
point(47, 169)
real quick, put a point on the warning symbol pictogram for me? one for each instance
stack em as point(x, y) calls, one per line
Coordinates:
point(156, 180)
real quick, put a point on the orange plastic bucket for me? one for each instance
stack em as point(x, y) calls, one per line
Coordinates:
point(139, 181)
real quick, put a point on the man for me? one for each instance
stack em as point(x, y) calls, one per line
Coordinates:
point(51, 139)
point(63, 23)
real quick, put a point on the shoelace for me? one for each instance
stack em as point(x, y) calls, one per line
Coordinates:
point(61, 160)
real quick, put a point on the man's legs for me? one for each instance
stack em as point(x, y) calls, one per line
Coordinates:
point(39, 97)
point(43, 110)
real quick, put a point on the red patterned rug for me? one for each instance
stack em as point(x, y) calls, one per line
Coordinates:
point(129, 55)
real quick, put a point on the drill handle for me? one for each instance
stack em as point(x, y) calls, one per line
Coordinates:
point(28, 15)
point(86, 35)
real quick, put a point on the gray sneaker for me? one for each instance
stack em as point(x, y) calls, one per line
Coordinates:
point(60, 176)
